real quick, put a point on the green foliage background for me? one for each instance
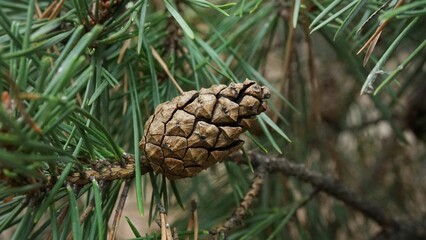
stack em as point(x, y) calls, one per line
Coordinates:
point(75, 94)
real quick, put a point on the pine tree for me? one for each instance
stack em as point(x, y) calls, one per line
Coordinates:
point(346, 117)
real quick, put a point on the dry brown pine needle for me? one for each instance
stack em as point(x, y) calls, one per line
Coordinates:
point(199, 128)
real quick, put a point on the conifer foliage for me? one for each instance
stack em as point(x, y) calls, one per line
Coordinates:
point(80, 78)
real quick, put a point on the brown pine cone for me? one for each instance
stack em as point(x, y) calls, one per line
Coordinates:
point(197, 129)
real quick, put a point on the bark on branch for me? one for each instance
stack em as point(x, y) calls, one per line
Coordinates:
point(107, 172)
point(324, 183)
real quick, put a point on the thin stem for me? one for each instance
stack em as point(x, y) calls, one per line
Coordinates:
point(119, 209)
point(236, 219)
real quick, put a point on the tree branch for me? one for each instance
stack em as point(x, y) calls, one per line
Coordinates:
point(324, 183)
point(109, 172)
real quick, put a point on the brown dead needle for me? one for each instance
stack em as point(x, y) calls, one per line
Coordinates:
point(194, 131)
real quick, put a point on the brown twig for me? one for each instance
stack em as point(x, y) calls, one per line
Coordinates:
point(112, 172)
point(236, 219)
point(193, 221)
point(119, 209)
point(166, 233)
point(195, 217)
point(324, 183)
point(190, 225)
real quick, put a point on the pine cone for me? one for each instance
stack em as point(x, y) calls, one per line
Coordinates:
point(197, 129)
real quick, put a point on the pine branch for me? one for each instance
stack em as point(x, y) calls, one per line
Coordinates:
point(119, 209)
point(108, 172)
point(236, 219)
point(325, 183)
